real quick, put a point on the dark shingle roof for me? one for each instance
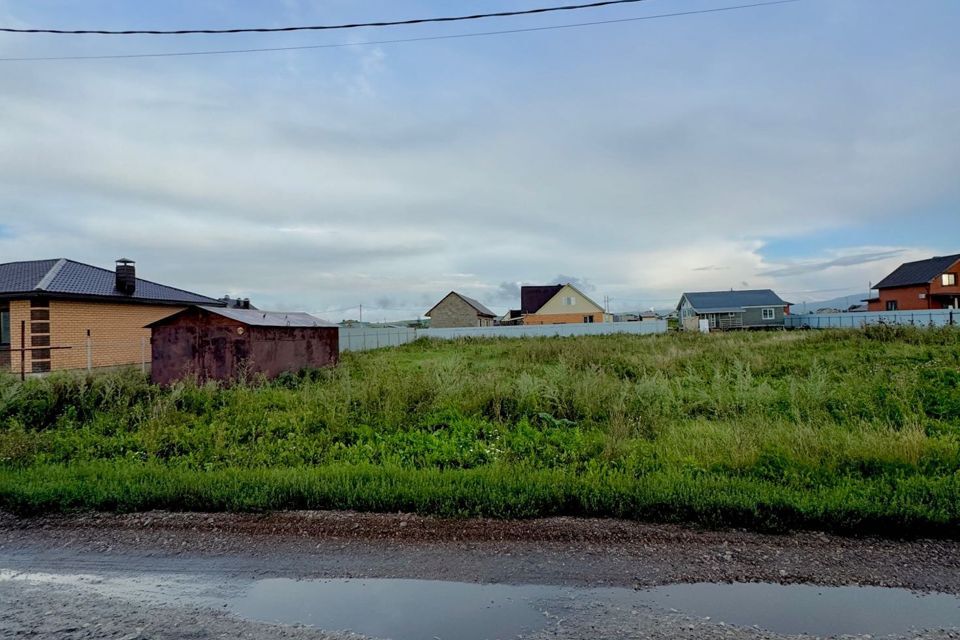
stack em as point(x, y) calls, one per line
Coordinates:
point(919, 272)
point(482, 310)
point(75, 279)
point(534, 297)
point(16, 277)
point(719, 301)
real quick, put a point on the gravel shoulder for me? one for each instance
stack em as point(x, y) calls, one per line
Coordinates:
point(562, 551)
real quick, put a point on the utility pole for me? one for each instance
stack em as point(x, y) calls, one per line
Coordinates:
point(361, 313)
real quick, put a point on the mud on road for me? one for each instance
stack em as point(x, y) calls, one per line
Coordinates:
point(178, 552)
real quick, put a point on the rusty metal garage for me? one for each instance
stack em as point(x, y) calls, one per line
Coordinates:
point(217, 343)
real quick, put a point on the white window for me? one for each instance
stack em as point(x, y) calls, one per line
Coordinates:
point(570, 301)
point(769, 313)
point(948, 279)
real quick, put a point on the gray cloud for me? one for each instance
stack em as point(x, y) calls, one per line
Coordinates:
point(580, 283)
point(823, 265)
point(507, 292)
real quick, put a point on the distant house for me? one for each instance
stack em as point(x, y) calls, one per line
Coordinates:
point(70, 315)
point(752, 309)
point(558, 304)
point(511, 318)
point(219, 343)
point(925, 284)
point(457, 310)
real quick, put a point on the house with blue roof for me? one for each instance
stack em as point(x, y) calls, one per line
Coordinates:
point(62, 314)
point(750, 309)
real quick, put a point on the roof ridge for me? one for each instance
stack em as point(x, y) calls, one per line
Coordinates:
point(949, 255)
point(588, 298)
point(159, 284)
point(3, 264)
point(476, 304)
point(50, 275)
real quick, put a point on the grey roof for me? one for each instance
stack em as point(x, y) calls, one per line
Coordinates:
point(69, 278)
point(730, 301)
point(918, 272)
point(479, 307)
point(482, 310)
point(257, 318)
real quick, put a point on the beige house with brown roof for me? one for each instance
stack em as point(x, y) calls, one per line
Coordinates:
point(559, 304)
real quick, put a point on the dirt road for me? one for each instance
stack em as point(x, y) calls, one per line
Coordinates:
point(164, 575)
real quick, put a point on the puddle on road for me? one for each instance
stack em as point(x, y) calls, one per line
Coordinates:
point(400, 609)
point(416, 609)
point(824, 611)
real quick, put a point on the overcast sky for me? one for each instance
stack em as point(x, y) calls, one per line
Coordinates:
point(807, 147)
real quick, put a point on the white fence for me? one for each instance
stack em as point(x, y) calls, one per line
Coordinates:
point(362, 339)
point(542, 330)
point(366, 338)
point(857, 320)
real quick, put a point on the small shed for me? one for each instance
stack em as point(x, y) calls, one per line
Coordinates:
point(218, 343)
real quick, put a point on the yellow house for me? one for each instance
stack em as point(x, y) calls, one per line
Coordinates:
point(559, 304)
point(61, 314)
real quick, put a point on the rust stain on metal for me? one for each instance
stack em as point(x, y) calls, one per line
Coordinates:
point(200, 344)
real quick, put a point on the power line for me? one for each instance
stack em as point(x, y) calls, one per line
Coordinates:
point(175, 54)
point(325, 27)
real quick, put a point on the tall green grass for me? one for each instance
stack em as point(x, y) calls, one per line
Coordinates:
point(841, 430)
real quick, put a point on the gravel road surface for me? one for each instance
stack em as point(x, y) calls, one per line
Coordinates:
point(169, 575)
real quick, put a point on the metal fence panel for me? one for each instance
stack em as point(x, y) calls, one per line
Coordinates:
point(532, 331)
point(366, 338)
point(925, 318)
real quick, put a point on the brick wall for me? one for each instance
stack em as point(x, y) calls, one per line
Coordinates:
point(19, 312)
point(937, 287)
point(561, 318)
point(907, 298)
point(117, 335)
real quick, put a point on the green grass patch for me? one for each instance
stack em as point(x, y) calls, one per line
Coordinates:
point(848, 431)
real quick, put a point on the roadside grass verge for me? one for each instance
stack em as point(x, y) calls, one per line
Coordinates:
point(906, 506)
point(853, 431)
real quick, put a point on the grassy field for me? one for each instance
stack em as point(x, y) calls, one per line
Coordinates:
point(848, 431)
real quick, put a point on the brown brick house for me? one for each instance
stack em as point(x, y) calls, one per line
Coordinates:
point(457, 310)
point(924, 284)
point(72, 315)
